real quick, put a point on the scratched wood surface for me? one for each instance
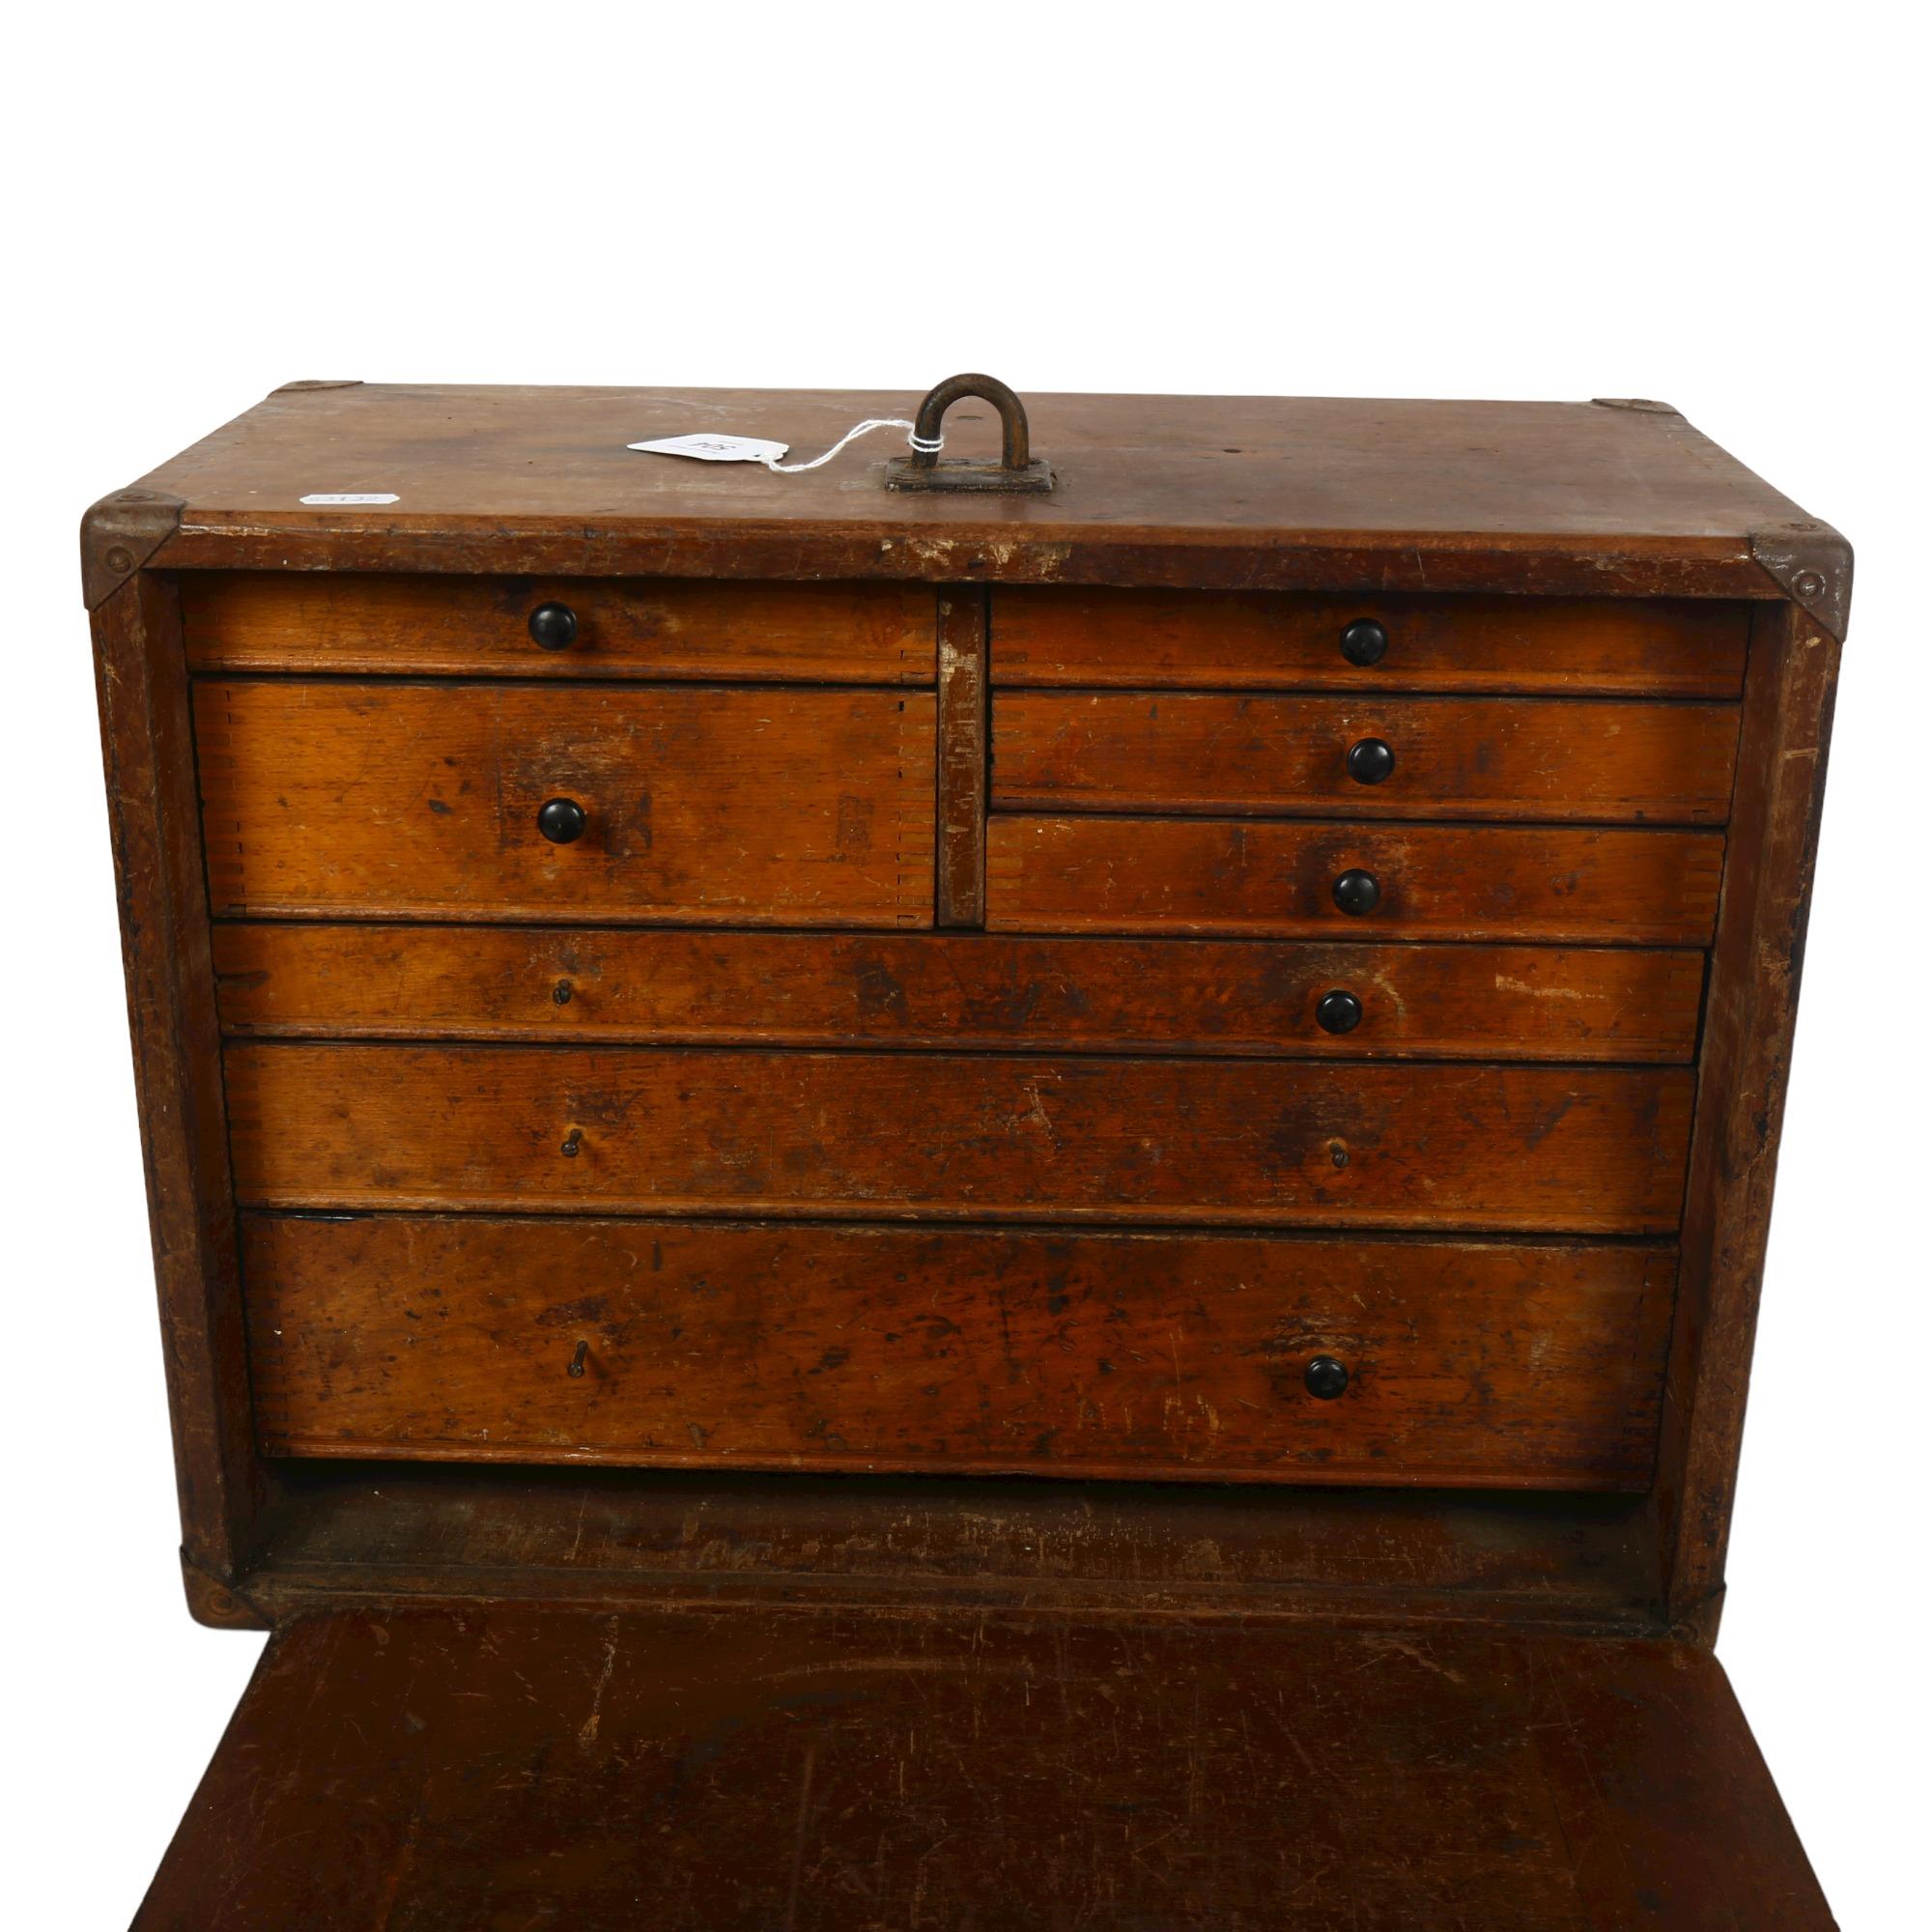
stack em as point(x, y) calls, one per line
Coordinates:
point(863, 1349)
point(1233, 492)
point(368, 622)
point(1452, 882)
point(1756, 964)
point(953, 990)
point(1587, 1150)
point(146, 739)
point(1464, 758)
point(1164, 639)
point(342, 1530)
point(437, 1771)
point(813, 807)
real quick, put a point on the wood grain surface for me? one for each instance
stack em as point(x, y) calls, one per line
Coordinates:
point(1587, 1150)
point(1234, 492)
point(346, 1529)
point(1547, 884)
point(953, 990)
point(1471, 757)
point(367, 622)
point(696, 1345)
point(1256, 640)
point(1743, 1075)
point(146, 751)
point(810, 807)
point(441, 1770)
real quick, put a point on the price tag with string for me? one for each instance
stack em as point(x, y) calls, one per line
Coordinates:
point(1018, 473)
point(712, 447)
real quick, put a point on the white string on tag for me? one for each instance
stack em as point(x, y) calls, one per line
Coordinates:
point(920, 444)
point(719, 448)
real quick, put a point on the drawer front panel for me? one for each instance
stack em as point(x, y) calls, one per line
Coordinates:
point(1482, 758)
point(708, 1346)
point(1071, 995)
point(1051, 636)
point(1550, 885)
point(609, 627)
point(390, 800)
point(1569, 1148)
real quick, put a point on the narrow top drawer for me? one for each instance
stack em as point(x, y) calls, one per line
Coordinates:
point(1256, 640)
point(567, 627)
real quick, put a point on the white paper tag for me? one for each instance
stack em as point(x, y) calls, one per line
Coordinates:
point(329, 499)
point(715, 448)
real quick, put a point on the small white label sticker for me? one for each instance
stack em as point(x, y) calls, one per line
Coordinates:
point(715, 448)
point(328, 499)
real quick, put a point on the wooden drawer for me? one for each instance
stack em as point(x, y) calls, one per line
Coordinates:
point(617, 627)
point(1475, 757)
point(1546, 884)
point(1568, 1148)
point(670, 1345)
point(390, 800)
point(1250, 640)
point(956, 989)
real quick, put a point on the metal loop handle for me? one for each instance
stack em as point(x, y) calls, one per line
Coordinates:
point(1015, 450)
point(1018, 473)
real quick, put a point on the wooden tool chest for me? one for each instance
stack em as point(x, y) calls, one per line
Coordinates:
point(1005, 1192)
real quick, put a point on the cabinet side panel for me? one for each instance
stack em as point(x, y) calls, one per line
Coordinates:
point(147, 748)
point(1744, 1065)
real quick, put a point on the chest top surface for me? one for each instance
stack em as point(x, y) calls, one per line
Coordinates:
point(1225, 491)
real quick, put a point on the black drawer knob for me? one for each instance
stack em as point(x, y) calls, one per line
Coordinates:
point(561, 820)
point(553, 626)
point(1358, 892)
point(1326, 1377)
point(1364, 643)
point(1369, 762)
point(1338, 1012)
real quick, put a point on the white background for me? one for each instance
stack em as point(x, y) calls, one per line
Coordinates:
point(1720, 206)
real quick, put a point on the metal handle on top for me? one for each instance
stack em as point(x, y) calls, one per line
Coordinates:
point(1018, 471)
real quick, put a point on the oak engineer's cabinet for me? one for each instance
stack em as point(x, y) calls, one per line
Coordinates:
point(1024, 1190)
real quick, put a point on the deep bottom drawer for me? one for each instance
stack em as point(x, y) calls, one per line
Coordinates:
point(1534, 1366)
